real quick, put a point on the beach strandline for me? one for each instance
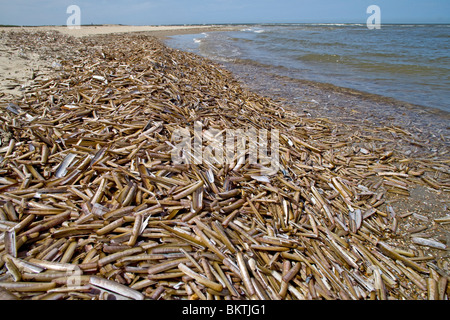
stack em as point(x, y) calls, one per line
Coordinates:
point(115, 99)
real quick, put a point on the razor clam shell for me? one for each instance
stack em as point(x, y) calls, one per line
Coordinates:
point(10, 242)
point(62, 168)
point(429, 243)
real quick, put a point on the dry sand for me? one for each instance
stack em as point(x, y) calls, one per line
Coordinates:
point(108, 29)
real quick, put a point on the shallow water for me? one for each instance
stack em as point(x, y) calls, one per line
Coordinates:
point(410, 63)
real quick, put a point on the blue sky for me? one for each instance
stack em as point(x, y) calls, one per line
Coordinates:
point(157, 12)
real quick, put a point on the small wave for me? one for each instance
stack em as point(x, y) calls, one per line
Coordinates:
point(329, 24)
point(313, 57)
point(221, 58)
point(199, 40)
point(255, 30)
point(404, 25)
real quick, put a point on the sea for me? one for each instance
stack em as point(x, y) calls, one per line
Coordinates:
point(405, 62)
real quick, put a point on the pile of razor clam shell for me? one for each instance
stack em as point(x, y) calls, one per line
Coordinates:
point(92, 205)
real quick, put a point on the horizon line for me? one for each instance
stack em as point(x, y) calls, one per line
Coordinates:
point(222, 24)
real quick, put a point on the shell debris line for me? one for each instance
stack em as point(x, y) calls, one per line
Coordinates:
point(92, 206)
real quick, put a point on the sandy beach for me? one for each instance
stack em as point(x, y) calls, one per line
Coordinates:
point(83, 31)
point(358, 210)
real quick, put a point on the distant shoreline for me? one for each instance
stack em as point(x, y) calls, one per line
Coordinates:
point(230, 24)
point(158, 31)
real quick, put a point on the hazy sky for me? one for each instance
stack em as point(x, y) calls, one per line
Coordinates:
point(156, 12)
